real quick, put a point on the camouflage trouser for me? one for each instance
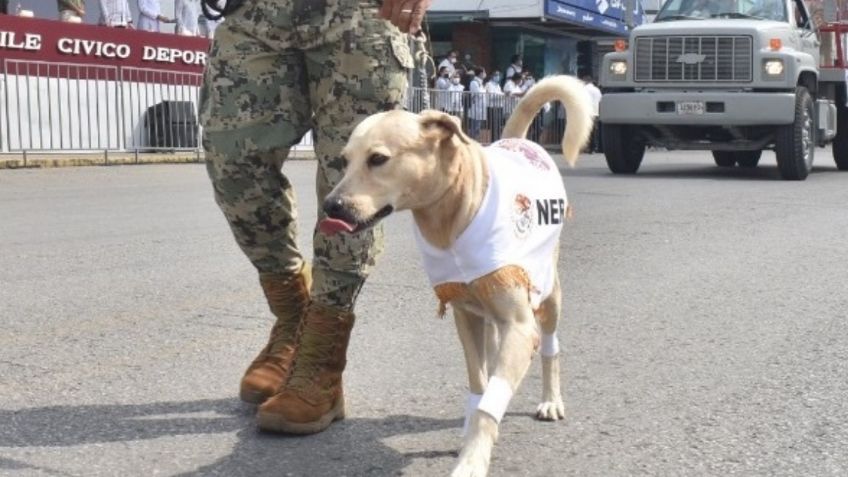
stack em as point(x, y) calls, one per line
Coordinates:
point(278, 69)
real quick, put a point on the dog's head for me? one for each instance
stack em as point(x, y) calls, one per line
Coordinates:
point(395, 161)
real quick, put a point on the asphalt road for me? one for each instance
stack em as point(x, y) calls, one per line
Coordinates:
point(704, 333)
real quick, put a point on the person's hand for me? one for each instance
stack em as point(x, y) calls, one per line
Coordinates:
point(164, 19)
point(407, 15)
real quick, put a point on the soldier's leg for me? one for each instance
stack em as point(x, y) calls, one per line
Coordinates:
point(254, 108)
point(363, 73)
point(349, 81)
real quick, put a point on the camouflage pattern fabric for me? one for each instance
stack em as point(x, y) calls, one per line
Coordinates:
point(278, 69)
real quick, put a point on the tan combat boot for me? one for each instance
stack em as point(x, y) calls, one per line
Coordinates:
point(313, 398)
point(288, 296)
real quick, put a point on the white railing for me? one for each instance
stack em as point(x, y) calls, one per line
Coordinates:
point(68, 107)
point(483, 115)
point(51, 107)
point(65, 106)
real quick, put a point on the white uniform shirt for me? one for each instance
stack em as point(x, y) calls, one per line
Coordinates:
point(479, 101)
point(495, 94)
point(518, 223)
point(442, 96)
point(115, 13)
point(206, 27)
point(512, 91)
point(446, 63)
point(511, 70)
point(455, 92)
point(594, 95)
point(149, 15)
point(187, 13)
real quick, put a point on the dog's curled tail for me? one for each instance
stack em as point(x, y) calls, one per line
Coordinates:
point(578, 110)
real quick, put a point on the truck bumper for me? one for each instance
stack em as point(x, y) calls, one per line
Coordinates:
point(721, 108)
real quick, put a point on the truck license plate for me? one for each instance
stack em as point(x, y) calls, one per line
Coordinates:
point(690, 107)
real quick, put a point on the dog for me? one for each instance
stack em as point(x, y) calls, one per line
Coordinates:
point(489, 241)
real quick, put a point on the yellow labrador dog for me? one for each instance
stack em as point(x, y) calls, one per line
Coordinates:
point(488, 225)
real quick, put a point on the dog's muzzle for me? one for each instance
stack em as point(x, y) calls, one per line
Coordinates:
point(340, 219)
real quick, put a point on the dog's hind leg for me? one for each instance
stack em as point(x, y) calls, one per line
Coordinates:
point(472, 334)
point(551, 408)
point(517, 334)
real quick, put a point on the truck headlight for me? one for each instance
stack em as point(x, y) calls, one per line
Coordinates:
point(773, 67)
point(618, 68)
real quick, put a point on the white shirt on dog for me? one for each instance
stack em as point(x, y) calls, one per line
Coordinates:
point(518, 223)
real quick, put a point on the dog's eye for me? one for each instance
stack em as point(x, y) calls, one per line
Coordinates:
point(375, 160)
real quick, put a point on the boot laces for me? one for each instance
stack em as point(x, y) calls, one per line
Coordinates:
point(316, 351)
point(284, 300)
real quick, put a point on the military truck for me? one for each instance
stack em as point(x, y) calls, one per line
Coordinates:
point(734, 77)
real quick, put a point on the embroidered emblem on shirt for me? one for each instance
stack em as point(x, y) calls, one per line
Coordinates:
point(522, 216)
point(528, 150)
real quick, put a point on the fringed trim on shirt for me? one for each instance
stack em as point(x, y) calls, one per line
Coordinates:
point(447, 292)
point(511, 276)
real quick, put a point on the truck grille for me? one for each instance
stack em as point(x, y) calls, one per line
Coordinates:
point(693, 58)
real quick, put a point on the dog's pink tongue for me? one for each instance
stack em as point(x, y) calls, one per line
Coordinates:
point(334, 226)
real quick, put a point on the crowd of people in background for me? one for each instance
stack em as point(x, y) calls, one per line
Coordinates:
point(484, 101)
point(188, 19)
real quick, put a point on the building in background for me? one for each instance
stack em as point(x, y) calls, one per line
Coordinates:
point(553, 36)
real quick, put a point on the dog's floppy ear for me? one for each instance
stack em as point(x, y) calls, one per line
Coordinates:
point(439, 125)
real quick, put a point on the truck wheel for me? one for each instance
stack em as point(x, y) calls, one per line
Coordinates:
point(840, 142)
point(724, 158)
point(623, 148)
point(748, 159)
point(796, 142)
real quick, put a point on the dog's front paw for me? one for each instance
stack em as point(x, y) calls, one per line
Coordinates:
point(466, 468)
point(551, 410)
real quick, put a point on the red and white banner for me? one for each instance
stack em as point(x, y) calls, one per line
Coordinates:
point(33, 39)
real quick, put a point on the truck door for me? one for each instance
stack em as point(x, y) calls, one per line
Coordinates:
point(806, 31)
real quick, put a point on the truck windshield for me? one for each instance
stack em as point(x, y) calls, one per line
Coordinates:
point(702, 9)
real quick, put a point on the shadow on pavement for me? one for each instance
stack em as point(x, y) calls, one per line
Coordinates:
point(349, 447)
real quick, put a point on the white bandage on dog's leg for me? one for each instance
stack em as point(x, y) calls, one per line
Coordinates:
point(496, 398)
point(550, 345)
point(471, 403)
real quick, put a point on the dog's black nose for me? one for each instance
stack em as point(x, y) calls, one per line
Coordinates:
point(334, 207)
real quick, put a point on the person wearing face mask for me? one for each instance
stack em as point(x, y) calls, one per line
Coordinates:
point(449, 62)
point(477, 115)
point(529, 80)
point(442, 85)
point(515, 66)
point(455, 93)
point(495, 111)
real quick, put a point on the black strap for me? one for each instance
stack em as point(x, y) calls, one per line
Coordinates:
point(213, 11)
